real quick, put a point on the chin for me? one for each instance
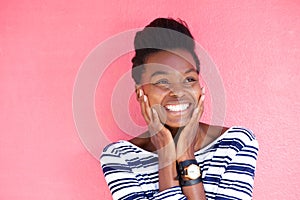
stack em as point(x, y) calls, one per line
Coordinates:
point(178, 123)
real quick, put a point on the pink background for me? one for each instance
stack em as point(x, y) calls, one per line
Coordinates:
point(255, 44)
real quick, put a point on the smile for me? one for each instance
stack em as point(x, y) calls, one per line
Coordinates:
point(178, 107)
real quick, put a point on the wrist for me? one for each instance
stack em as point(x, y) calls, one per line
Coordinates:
point(188, 155)
point(166, 176)
point(189, 172)
point(165, 159)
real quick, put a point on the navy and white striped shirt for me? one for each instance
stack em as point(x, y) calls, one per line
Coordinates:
point(227, 168)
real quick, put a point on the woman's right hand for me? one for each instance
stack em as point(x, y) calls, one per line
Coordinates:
point(163, 142)
point(160, 136)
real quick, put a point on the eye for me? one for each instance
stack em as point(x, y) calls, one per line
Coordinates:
point(162, 82)
point(190, 79)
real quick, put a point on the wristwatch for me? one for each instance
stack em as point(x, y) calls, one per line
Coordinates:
point(189, 172)
point(189, 169)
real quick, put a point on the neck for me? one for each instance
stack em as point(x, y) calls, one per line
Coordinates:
point(174, 130)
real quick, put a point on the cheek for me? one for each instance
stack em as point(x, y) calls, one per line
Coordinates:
point(196, 90)
point(154, 94)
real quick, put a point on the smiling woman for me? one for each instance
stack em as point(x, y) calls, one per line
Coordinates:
point(173, 85)
point(178, 157)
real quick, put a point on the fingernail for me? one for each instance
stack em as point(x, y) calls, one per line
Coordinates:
point(202, 98)
point(203, 90)
point(140, 93)
point(145, 98)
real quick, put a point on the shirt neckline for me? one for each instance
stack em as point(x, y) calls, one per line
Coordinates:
point(199, 151)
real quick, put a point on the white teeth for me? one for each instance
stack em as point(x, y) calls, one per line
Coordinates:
point(177, 108)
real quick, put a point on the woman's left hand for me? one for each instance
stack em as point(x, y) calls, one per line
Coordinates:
point(188, 136)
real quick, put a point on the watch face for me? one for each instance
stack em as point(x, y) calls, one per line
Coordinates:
point(193, 171)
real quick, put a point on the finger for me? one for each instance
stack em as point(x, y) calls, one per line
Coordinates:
point(156, 119)
point(200, 108)
point(195, 116)
point(201, 103)
point(201, 98)
point(148, 109)
point(156, 125)
point(203, 91)
point(139, 93)
point(141, 99)
point(198, 111)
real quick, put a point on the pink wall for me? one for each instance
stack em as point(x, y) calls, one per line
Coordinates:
point(255, 44)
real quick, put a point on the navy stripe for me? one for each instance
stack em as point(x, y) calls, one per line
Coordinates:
point(246, 132)
point(226, 197)
point(224, 165)
point(137, 195)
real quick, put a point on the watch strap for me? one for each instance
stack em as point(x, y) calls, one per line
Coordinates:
point(190, 182)
point(181, 171)
point(186, 163)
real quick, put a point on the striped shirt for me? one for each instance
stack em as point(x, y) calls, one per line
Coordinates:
point(227, 168)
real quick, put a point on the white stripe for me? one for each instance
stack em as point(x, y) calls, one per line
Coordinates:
point(213, 162)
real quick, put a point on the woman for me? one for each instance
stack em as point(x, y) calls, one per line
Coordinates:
point(178, 157)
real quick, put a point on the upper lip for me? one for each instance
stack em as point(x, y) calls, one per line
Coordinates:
point(178, 100)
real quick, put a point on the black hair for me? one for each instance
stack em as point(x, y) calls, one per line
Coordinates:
point(160, 35)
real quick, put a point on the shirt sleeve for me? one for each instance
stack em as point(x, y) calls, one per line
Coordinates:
point(123, 183)
point(238, 178)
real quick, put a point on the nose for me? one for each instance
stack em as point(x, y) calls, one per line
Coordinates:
point(177, 90)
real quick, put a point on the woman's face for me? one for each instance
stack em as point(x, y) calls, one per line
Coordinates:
point(171, 84)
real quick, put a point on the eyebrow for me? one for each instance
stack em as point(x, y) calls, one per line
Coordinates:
point(191, 70)
point(159, 73)
point(165, 73)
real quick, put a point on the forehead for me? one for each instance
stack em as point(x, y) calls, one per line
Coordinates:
point(177, 60)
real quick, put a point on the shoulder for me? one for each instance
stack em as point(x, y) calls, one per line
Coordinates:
point(114, 146)
point(243, 134)
point(238, 138)
point(119, 149)
point(213, 131)
point(236, 143)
